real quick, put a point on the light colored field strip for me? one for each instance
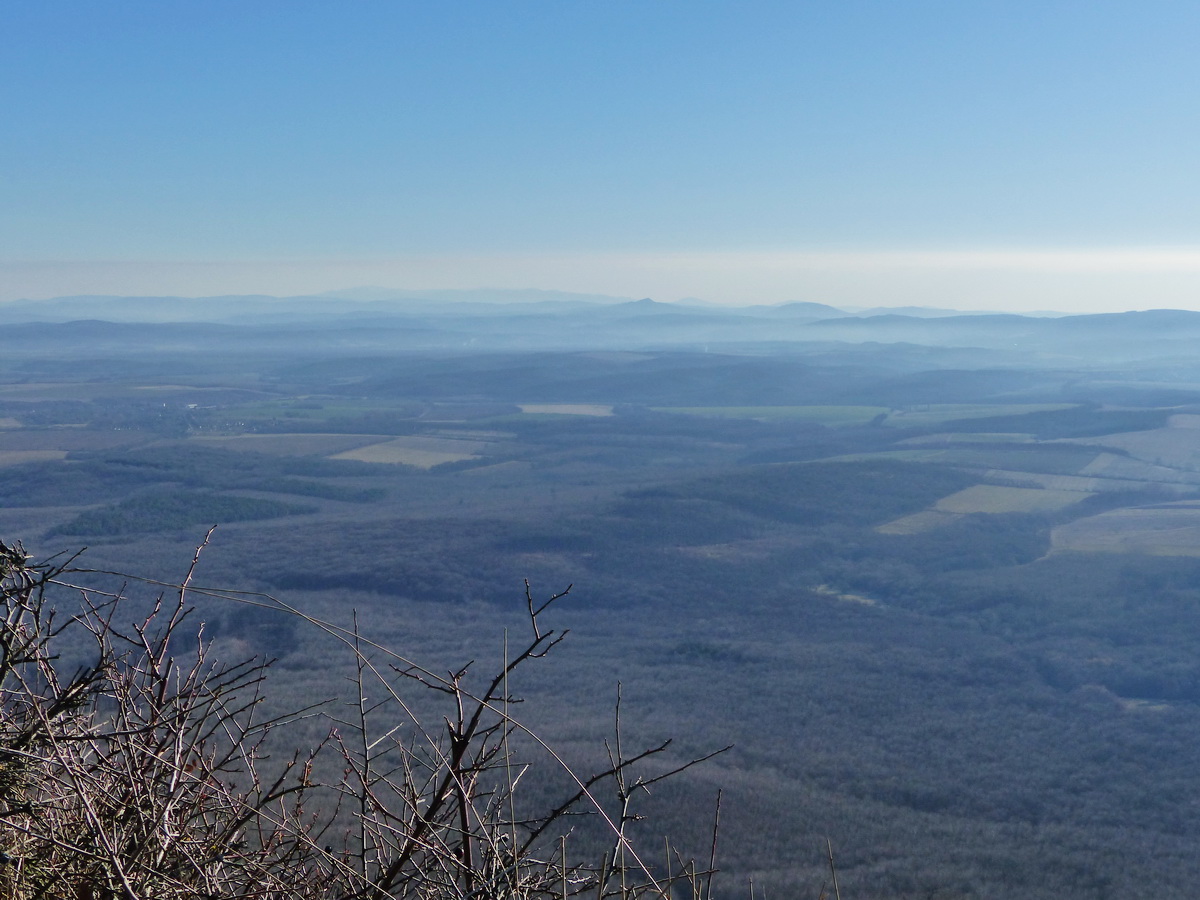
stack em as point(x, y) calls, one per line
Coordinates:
point(970, 437)
point(16, 457)
point(1166, 530)
point(566, 409)
point(1081, 482)
point(410, 450)
point(828, 591)
point(291, 444)
point(947, 412)
point(417, 450)
point(1177, 445)
point(983, 498)
point(994, 498)
point(467, 435)
point(1110, 465)
point(826, 415)
point(403, 452)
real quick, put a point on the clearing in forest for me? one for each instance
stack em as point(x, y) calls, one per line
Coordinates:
point(16, 457)
point(934, 413)
point(824, 415)
point(1169, 529)
point(292, 444)
point(984, 498)
point(970, 437)
point(422, 452)
point(996, 498)
point(1176, 446)
point(566, 409)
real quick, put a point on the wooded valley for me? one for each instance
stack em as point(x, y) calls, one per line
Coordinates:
point(937, 581)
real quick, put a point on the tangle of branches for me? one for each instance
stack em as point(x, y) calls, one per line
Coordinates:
point(142, 772)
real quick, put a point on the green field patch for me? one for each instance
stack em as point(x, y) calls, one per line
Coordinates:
point(6, 422)
point(291, 444)
point(1162, 530)
point(824, 415)
point(936, 413)
point(422, 452)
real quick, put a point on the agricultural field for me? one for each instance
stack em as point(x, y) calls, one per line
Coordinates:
point(422, 452)
point(566, 409)
point(940, 413)
point(1177, 446)
point(824, 415)
point(1122, 467)
point(70, 439)
point(1162, 530)
point(301, 444)
point(991, 498)
point(1084, 483)
point(19, 457)
point(988, 499)
point(967, 437)
point(32, 392)
point(1035, 456)
point(438, 447)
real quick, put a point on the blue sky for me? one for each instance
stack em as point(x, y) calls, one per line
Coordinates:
point(1016, 155)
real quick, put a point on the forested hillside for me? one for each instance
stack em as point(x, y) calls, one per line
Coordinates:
point(944, 601)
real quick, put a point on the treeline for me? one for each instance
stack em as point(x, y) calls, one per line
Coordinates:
point(97, 476)
point(172, 511)
point(1085, 420)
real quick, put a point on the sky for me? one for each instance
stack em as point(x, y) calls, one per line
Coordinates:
point(1018, 155)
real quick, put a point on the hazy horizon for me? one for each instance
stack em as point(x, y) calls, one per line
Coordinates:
point(948, 284)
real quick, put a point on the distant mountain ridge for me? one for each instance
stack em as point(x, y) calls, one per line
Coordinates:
point(557, 321)
point(374, 301)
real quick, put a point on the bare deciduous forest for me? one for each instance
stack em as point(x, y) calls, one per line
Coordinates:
point(934, 580)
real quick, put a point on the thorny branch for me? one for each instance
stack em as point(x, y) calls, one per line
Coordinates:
point(145, 772)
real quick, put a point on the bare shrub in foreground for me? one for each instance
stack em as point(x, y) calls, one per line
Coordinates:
point(143, 772)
